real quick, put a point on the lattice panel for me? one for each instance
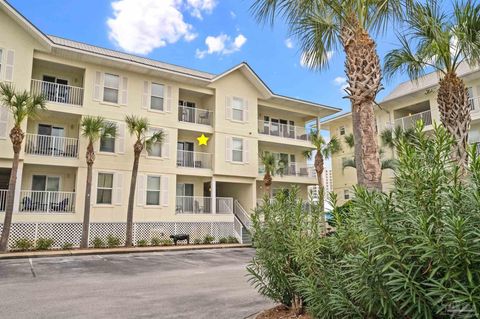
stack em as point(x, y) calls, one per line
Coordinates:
point(20, 231)
point(103, 230)
point(147, 231)
point(61, 233)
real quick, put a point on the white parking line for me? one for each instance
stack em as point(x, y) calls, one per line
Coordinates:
point(31, 267)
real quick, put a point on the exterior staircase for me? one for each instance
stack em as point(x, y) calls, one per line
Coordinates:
point(242, 223)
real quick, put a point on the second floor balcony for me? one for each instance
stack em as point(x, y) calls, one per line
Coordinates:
point(195, 115)
point(194, 159)
point(58, 93)
point(293, 169)
point(203, 205)
point(54, 146)
point(410, 121)
point(47, 202)
point(283, 130)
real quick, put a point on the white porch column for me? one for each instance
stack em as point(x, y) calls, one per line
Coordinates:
point(213, 192)
point(318, 124)
point(18, 187)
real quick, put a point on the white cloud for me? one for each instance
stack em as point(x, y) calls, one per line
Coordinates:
point(289, 43)
point(221, 44)
point(140, 26)
point(233, 14)
point(341, 82)
point(304, 62)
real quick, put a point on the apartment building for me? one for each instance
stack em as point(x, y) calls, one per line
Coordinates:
point(407, 103)
point(183, 185)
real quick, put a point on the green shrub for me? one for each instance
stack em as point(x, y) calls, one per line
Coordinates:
point(66, 246)
point(113, 241)
point(232, 240)
point(23, 244)
point(223, 240)
point(197, 241)
point(208, 239)
point(279, 226)
point(155, 241)
point(44, 243)
point(166, 242)
point(412, 253)
point(98, 242)
point(142, 243)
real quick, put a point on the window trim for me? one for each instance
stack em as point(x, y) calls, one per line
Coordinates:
point(340, 130)
point(242, 109)
point(152, 95)
point(149, 190)
point(111, 88)
point(238, 150)
point(161, 147)
point(105, 188)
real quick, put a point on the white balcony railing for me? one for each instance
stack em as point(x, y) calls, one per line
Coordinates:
point(3, 199)
point(411, 120)
point(54, 146)
point(293, 169)
point(283, 130)
point(194, 159)
point(47, 202)
point(58, 93)
point(194, 115)
point(203, 205)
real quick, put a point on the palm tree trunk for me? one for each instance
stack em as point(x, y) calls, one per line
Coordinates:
point(454, 107)
point(131, 198)
point(319, 168)
point(90, 157)
point(267, 182)
point(363, 71)
point(16, 136)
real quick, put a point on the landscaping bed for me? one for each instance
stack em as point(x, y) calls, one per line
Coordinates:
point(281, 312)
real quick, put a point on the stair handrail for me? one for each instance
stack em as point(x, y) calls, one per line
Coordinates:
point(242, 215)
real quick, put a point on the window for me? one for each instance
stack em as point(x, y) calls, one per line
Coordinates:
point(104, 188)
point(45, 183)
point(153, 190)
point(187, 104)
point(156, 100)
point(237, 109)
point(342, 130)
point(1, 66)
point(156, 149)
point(237, 150)
point(346, 194)
point(107, 143)
point(111, 86)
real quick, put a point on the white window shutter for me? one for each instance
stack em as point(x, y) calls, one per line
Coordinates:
point(245, 110)
point(165, 145)
point(228, 107)
point(118, 189)
point(93, 197)
point(4, 112)
point(164, 190)
point(120, 138)
point(98, 87)
point(141, 190)
point(168, 98)
point(146, 95)
point(9, 65)
point(245, 150)
point(228, 148)
point(124, 91)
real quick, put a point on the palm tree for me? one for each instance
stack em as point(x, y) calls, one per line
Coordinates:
point(93, 129)
point(388, 163)
point(321, 26)
point(442, 41)
point(139, 128)
point(22, 105)
point(272, 167)
point(323, 151)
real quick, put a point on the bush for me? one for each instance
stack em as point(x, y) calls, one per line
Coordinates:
point(223, 240)
point(208, 239)
point(66, 246)
point(113, 241)
point(197, 241)
point(23, 244)
point(279, 227)
point(155, 241)
point(232, 240)
point(166, 242)
point(44, 243)
point(142, 243)
point(413, 253)
point(98, 242)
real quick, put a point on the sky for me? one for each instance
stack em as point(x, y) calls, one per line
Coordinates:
point(208, 35)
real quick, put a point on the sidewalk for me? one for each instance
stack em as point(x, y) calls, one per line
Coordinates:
point(119, 250)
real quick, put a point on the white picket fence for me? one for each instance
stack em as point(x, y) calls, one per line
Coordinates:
point(70, 233)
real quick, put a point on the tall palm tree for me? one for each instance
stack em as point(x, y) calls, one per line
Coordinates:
point(139, 128)
point(321, 26)
point(323, 151)
point(272, 167)
point(435, 39)
point(21, 105)
point(93, 129)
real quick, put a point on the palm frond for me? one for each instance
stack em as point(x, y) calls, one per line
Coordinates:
point(269, 162)
point(157, 138)
point(332, 147)
point(389, 163)
point(96, 127)
point(349, 140)
point(137, 126)
point(348, 162)
point(307, 154)
point(21, 104)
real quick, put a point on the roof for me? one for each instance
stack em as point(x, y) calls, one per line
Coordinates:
point(336, 117)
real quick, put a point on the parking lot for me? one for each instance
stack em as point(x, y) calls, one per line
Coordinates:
point(189, 284)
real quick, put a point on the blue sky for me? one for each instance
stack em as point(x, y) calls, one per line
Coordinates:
point(209, 35)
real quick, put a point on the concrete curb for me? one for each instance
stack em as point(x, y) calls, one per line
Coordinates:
point(120, 250)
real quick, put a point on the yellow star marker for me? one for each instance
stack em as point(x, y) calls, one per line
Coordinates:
point(202, 140)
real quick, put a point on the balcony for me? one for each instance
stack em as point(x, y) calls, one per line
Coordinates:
point(3, 199)
point(283, 130)
point(46, 145)
point(294, 169)
point(194, 159)
point(47, 202)
point(411, 120)
point(474, 104)
point(195, 115)
point(58, 93)
point(203, 205)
